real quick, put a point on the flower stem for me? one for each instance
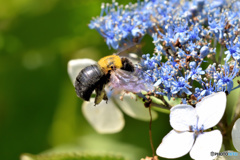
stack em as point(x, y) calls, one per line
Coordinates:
point(150, 131)
point(220, 55)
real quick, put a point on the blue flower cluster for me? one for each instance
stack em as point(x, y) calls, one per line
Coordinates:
point(190, 40)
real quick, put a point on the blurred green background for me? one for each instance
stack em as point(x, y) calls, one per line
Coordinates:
point(39, 111)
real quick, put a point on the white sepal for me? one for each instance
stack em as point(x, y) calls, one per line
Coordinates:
point(105, 118)
point(211, 109)
point(175, 144)
point(182, 117)
point(135, 109)
point(236, 135)
point(205, 144)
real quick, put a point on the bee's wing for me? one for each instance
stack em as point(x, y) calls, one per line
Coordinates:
point(76, 65)
point(128, 81)
point(133, 51)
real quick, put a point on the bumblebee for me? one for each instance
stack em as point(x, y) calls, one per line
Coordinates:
point(97, 76)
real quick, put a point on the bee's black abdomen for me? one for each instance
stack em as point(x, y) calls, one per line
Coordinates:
point(127, 65)
point(87, 80)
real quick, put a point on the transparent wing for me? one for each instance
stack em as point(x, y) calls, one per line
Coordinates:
point(132, 47)
point(132, 51)
point(175, 144)
point(76, 65)
point(128, 81)
point(205, 144)
point(135, 109)
point(133, 58)
point(182, 117)
point(236, 135)
point(211, 109)
point(105, 118)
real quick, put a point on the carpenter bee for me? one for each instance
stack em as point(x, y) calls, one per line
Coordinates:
point(117, 71)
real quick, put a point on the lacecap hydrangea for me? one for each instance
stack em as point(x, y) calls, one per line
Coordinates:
point(197, 44)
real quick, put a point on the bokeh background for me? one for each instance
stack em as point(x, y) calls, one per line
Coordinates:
point(39, 110)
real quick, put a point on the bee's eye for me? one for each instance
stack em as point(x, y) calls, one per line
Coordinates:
point(111, 67)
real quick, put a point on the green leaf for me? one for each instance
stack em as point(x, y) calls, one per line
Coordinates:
point(233, 103)
point(159, 102)
point(166, 111)
point(173, 101)
point(70, 156)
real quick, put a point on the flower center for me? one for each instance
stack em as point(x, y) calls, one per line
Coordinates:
point(196, 129)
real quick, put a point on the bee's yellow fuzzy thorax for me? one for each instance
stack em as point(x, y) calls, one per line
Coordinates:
point(110, 62)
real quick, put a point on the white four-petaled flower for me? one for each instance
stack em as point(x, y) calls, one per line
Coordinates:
point(189, 124)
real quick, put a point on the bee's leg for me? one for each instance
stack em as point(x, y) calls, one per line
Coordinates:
point(100, 94)
point(105, 96)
